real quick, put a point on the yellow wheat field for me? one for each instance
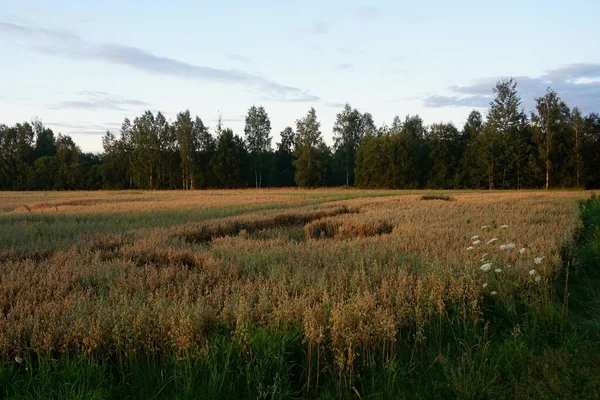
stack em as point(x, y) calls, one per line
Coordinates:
point(350, 269)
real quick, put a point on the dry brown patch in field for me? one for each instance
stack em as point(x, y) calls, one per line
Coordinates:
point(346, 228)
point(206, 231)
point(445, 197)
point(148, 201)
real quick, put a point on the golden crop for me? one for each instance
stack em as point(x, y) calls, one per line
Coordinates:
point(351, 274)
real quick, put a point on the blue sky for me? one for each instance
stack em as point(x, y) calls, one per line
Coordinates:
point(82, 66)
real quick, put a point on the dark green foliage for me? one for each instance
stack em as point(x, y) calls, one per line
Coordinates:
point(348, 132)
point(556, 148)
point(284, 170)
point(445, 146)
point(395, 159)
point(229, 160)
point(310, 152)
point(552, 134)
point(258, 139)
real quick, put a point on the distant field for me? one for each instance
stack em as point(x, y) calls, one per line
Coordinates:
point(293, 293)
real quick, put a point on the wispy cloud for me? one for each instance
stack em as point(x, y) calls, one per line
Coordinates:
point(320, 27)
point(101, 101)
point(87, 132)
point(70, 45)
point(344, 67)
point(436, 101)
point(333, 104)
point(577, 84)
point(367, 12)
point(83, 128)
point(238, 58)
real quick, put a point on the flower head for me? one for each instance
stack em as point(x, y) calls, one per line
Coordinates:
point(493, 293)
point(522, 251)
point(504, 227)
point(532, 272)
point(470, 248)
point(492, 240)
point(475, 243)
point(538, 278)
point(485, 285)
point(507, 246)
point(486, 267)
point(498, 270)
point(538, 260)
point(485, 227)
point(475, 237)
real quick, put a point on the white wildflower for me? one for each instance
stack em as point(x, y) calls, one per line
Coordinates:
point(485, 285)
point(470, 248)
point(532, 272)
point(504, 227)
point(493, 293)
point(492, 240)
point(507, 246)
point(538, 260)
point(486, 267)
point(485, 227)
point(475, 237)
point(475, 243)
point(538, 278)
point(498, 270)
point(523, 250)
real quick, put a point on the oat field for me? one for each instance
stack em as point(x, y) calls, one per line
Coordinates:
point(278, 293)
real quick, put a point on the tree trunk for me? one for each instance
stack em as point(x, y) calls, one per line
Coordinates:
point(192, 176)
point(547, 173)
point(347, 169)
point(577, 162)
point(491, 175)
point(547, 157)
point(260, 170)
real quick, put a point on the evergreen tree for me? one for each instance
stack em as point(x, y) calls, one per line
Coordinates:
point(229, 160)
point(284, 158)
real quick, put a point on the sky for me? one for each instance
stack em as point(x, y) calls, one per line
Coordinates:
point(83, 66)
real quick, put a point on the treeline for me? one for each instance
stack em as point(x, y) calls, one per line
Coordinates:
point(555, 146)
